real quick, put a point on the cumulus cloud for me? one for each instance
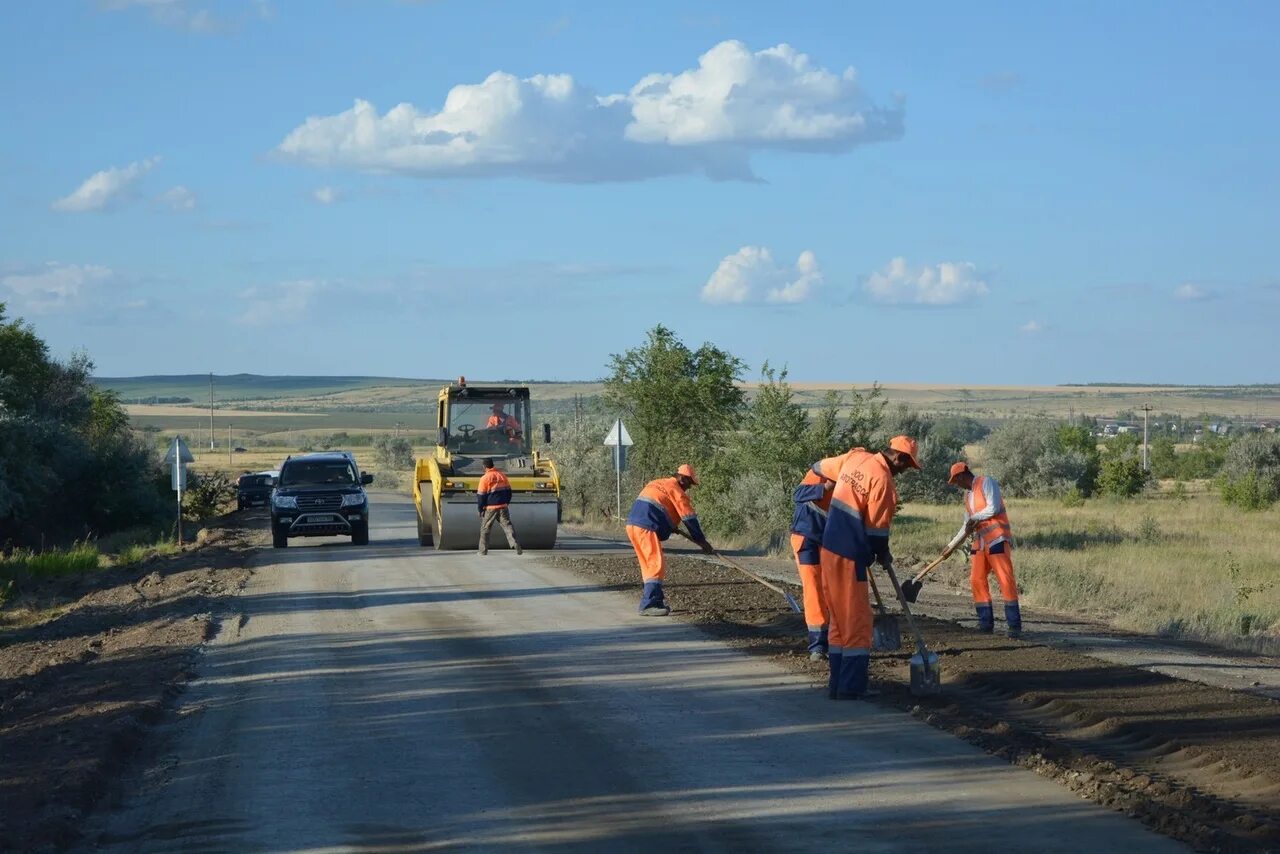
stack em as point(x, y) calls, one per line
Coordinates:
point(282, 303)
point(948, 283)
point(705, 120)
point(1190, 293)
point(104, 189)
point(56, 287)
point(325, 195)
point(178, 199)
point(750, 274)
point(178, 14)
point(1032, 327)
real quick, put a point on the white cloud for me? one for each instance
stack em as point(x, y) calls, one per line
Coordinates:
point(948, 283)
point(326, 195)
point(178, 14)
point(178, 199)
point(282, 303)
point(751, 274)
point(103, 189)
point(1190, 293)
point(549, 127)
point(1032, 327)
point(56, 287)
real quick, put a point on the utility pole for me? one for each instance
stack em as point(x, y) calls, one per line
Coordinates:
point(229, 445)
point(1146, 417)
point(211, 411)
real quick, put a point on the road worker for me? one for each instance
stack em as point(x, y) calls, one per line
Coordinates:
point(986, 520)
point(863, 503)
point(509, 425)
point(658, 511)
point(493, 494)
point(812, 499)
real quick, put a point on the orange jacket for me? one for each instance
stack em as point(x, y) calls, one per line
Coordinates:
point(494, 490)
point(503, 422)
point(984, 504)
point(862, 506)
point(661, 506)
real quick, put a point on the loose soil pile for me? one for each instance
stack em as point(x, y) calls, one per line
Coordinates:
point(95, 660)
point(1197, 763)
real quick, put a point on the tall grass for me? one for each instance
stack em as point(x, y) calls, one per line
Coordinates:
point(1180, 566)
point(82, 557)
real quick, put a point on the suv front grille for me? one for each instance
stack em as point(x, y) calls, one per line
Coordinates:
point(319, 502)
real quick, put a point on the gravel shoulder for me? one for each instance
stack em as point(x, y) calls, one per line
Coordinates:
point(1193, 761)
point(94, 662)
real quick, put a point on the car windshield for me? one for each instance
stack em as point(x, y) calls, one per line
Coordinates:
point(318, 472)
point(496, 425)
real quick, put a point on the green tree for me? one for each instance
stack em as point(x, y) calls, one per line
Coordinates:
point(1251, 472)
point(1033, 457)
point(677, 402)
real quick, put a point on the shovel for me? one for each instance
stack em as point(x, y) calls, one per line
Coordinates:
point(791, 600)
point(886, 636)
point(926, 674)
point(911, 589)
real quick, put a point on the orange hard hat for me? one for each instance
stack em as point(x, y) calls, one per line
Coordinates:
point(906, 445)
point(687, 470)
point(957, 469)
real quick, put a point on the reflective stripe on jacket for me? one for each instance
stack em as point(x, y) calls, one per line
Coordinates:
point(661, 506)
point(984, 504)
point(494, 490)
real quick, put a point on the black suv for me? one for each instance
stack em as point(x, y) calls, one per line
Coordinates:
point(320, 495)
point(254, 489)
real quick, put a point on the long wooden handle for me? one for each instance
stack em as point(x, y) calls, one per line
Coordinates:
point(946, 553)
point(775, 588)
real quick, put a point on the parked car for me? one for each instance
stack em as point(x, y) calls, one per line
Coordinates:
point(320, 495)
point(254, 489)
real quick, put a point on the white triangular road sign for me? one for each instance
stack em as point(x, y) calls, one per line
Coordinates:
point(179, 452)
point(618, 435)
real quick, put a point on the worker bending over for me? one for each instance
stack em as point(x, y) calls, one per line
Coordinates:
point(662, 505)
point(812, 499)
point(987, 521)
point(857, 532)
point(493, 494)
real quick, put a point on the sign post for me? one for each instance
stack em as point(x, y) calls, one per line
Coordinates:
point(619, 439)
point(177, 457)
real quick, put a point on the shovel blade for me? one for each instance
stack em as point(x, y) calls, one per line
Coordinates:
point(910, 590)
point(926, 675)
point(886, 636)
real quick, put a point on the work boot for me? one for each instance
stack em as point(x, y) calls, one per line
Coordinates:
point(483, 552)
point(1014, 634)
point(986, 619)
point(817, 655)
point(868, 694)
point(519, 550)
point(655, 611)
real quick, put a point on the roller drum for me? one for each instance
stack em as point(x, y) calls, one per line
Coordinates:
point(534, 519)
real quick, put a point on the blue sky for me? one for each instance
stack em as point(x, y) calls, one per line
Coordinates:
point(1001, 193)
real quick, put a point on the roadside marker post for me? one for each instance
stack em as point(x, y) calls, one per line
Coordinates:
point(619, 439)
point(177, 458)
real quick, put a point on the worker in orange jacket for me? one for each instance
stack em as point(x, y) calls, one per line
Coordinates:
point(509, 425)
point(658, 511)
point(812, 499)
point(493, 495)
point(987, 521)
point(863, 504)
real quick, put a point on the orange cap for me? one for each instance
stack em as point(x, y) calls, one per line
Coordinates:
point(906, 445)
point(957, 469)
point(687, 470)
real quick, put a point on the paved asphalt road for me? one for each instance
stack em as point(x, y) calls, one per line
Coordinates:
point(393, 698)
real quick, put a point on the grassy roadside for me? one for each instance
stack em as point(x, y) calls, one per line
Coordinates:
point(1177, 567)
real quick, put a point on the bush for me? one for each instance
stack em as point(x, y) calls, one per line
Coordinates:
point(393, 452)
point(206, 494)
point(1251, 472)
point(1122, 473)
point(1038, 458)
point(962, 428)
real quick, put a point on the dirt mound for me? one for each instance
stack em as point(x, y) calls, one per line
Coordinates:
point(87, 664)
point(1197, 763)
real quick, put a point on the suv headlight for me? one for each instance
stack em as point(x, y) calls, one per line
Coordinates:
point(285, 501)
point(355, 500)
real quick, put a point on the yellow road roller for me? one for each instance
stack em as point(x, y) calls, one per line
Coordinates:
point(474, 423)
